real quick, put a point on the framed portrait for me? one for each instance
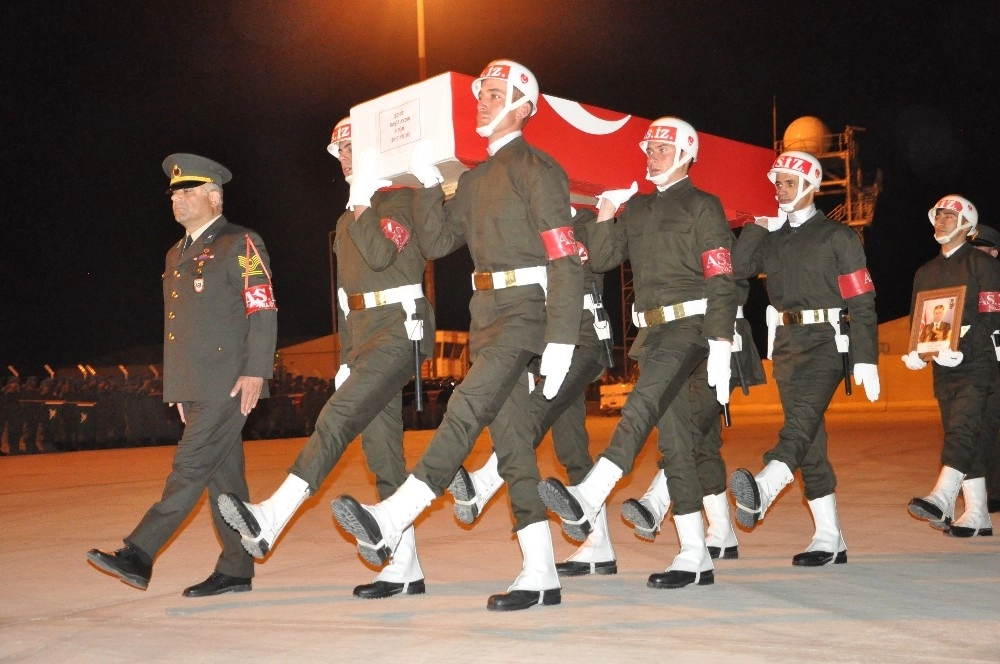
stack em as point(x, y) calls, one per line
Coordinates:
point(937, 321)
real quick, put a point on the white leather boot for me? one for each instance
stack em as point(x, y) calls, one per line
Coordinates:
point(720, 536)
point(538, 582)
point(260, 524)
point(827, 546)
point(939, 506)
point(402, 576)
point(378, 528)
point(693, 565)
point(579, 505)
point(647, 513)
point(595, 555)
point(753, 495)
point(975, 521)
point(473, 490)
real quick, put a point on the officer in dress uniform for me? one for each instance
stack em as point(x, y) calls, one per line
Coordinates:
point(382, 312)
point(513, 212)
point(963, 378)
point(678, 241)
point(220, 329)
point(816, 278)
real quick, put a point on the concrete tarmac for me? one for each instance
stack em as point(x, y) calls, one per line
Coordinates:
point(907, 593)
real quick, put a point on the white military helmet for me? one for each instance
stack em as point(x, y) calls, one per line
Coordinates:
point(968, 216)
point(805, 166)
point(678, 133)
point(517, 76)
point(341, 132)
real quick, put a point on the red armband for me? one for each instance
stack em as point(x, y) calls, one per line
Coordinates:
point(396, 232)
point(259, 298)
point(855, 283)
point(716, 262)
point(989, 302)
point(559, 242)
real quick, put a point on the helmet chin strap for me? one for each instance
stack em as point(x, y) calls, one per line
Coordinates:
point(661, 179)
point(790, 207)
point(486, 130)
point(348, 178)
point(945, 239)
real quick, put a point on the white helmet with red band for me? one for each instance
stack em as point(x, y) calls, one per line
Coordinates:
point(968, 216)
point(802, 164)
point(341, 132)
point(517, 76)
point(676, 132)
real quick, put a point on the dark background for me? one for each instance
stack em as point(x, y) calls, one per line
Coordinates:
point(96, 94)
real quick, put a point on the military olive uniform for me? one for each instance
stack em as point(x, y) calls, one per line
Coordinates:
point(803, 265)
point(695, 413)
point(209, 341)
point(962, 391)
point(375, 252)
point(664, 235)
point(499, 210)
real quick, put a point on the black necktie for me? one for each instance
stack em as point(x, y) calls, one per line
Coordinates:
point(187, 243)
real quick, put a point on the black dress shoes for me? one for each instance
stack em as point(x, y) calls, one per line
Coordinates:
point(516, 600)
point(383, 589)
point(679, 578)
point(125, 563)
point(729, 553)
point(819, 558)
point(576, 568)
point(218, 583)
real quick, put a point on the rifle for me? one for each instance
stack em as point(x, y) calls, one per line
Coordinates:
point(418, 384)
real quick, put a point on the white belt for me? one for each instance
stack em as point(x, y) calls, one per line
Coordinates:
point(404, 295)
point(673, 312)
point(522, 276)
point(809, 316)
point(739, 311)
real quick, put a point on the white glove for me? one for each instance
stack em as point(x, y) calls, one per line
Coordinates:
point(867, 375)
point(719, 369)
point(422, 164)
point(364, 182)
point(772, 223)
point(555, 366)
point(342, 373)
point(949, 357)
point(913, 362)
point(618, 196)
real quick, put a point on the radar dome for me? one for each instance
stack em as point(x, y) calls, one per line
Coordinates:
point(808, 134)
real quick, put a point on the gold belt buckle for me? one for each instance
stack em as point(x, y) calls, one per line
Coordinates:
point(791, 318)
point(678, 310)
point(483, 280)
point(356, 302)
point(655, 316)
point(509, 278)
point(380, 298)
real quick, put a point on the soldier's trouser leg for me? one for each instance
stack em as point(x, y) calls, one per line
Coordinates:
point(566, 416)
point(209, 455)
point(818, 477)
point(662, 371)
point(382, 443)
point(989, 443)
point(374, 382)
point(806, 383)
point(473, 405)
point(962, 399)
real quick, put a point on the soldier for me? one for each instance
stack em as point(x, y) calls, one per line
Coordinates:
point(963, 378)
point(382, 313)
point(513, 212)
point(219, 336)
point(817, 279)
point(705, 426)
point(566, 415)
point(678, 241)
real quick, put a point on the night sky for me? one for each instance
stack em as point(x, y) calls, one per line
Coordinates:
point(96, 94)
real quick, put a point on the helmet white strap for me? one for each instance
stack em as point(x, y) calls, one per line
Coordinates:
point(508, 106)
point(662, 178)
point(789, 207)
point(945, 239)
